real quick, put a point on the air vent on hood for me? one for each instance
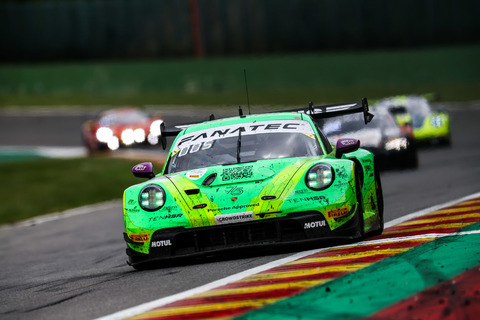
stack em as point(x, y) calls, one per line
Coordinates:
point(192, 191)
point(268, 197)
point(209, 180)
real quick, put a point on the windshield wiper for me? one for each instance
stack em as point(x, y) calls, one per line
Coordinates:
point(239, 145)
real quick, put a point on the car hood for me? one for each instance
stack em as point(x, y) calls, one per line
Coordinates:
point(205, 193)
point(244, 174)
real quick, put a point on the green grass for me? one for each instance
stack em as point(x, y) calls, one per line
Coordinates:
point(453, 72)
point(36, 187)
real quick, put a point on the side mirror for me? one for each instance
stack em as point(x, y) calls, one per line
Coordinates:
point(143, 170)
point(345, 146)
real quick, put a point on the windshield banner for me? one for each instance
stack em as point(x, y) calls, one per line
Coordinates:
point(244, 129)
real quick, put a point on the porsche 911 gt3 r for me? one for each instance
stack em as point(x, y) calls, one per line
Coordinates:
point(393, 147)
point(120, 128)
point(253, 180)
point(430, 126)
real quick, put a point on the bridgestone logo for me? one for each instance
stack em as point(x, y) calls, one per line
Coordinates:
point(233, 217)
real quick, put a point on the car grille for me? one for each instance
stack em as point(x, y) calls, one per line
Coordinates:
point(234, 236)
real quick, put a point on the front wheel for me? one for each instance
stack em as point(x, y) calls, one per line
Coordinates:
point(380, 220)
point(361, 219)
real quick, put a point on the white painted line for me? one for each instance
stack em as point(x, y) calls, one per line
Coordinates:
point(64, 214)
point(45, 151)
point(62, 152)
point(130, 312)
point(209, 286)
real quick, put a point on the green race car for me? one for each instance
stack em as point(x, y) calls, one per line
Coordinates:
point(429, 126)
point(250, 181)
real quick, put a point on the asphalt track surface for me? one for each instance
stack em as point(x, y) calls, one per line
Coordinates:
point(74, 267)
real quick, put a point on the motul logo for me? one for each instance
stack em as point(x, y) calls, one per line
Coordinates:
point(314, 224)
point(161, 243)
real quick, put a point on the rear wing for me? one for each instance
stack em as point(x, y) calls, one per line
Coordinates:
point(335, 110)
point(316, 112)
point(173, 131)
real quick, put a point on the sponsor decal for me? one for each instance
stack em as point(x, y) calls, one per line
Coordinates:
point(233, 217)
point(314, 224)
point(165, 217)
point(348, 142)
point(307, 199)
point(140, 167)
point(337, 212)
point(368, 168)
point(196, 174)
point(234, 199)
point(259, 127)
point(235, 191)
point(301, 191)
point(170, 208)
point(139, 237)
point(237, 173)
point(239, 207)
point(200, 206)
point(133, 210)
point(161, 243)
point(131, 201)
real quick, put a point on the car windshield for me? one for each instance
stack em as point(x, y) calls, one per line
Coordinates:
point(419, 109)
point(354, 122)
point(243, 143)
point(342, 124)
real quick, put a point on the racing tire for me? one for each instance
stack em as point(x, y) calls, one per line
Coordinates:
point(380, 221)
point(358, 191)
point(411, 158)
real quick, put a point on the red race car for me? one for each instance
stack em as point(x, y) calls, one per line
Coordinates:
point(122, 127)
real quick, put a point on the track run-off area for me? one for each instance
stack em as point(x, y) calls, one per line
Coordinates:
point(425, 265)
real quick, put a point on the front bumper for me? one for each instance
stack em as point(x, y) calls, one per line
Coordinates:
point(295, 228)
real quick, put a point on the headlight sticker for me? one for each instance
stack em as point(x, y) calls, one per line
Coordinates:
point(196, 174)
point(139, 237)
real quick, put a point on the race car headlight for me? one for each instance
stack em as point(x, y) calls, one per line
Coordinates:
point(152, 197)
point(319, 177)
point(128, 137)
point(139, 135)
point(113, 143)
point(104, 134)
point(396, 144)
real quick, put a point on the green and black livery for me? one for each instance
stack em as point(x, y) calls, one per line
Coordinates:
point(250, 181)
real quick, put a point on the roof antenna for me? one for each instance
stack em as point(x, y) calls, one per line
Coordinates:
point(246, 88)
